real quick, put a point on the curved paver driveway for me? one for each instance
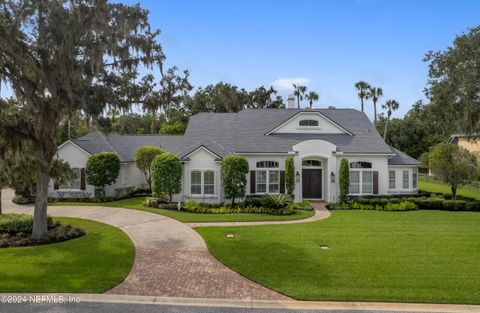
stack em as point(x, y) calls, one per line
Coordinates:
point(171, 258)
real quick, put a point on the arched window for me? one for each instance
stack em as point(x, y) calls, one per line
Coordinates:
point(308, 123)
point(360, 165)
point(267, 164)
point(311, 163)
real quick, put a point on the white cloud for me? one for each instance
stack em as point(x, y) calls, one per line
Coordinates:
point(285, 84)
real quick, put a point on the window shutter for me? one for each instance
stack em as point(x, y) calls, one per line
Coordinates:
point(282, 181)
point(375, 183)
point(252, 182)
point(82, 179)
point(55, 185)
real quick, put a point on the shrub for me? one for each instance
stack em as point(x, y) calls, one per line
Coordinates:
point(143, 160)
point(344, 182)
point(402, 206)
point(102, 169)
point(289, 175)
point(303, 205)
point(191, 205)
point(455, 205)
point(166, 175)
point(18, 223)
point(277, 201)
point(234, 169)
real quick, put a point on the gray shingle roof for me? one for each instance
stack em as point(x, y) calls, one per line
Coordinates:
point(226, 133)
point(401, 158)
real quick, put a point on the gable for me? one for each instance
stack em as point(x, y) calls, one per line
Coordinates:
point(309, 123)
point(73, 154)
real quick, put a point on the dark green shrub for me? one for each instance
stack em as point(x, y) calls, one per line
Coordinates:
point(234, 170)
point(166, 171)
point(102, 169)
point(344, 180)
point(289, 175)
point(455, 205)
point(18, 223)
point(277, 201)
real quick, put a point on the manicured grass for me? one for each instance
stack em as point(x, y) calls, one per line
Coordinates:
point(93, 263)
point(186, 217)
point(418, 256)
point(444, 188)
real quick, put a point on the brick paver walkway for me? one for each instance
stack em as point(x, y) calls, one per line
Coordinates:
point(171, 258)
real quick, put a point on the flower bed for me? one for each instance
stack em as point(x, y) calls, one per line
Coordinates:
point(15, 230)
point(272, 204)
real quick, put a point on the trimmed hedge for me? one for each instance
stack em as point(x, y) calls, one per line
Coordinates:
point(423, 203)
point(18, 223)
point(392, 206)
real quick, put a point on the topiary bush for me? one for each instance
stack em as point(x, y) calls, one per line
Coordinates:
point(344, 180)
point(102, 169)
point(234, 170)
point(166, 174)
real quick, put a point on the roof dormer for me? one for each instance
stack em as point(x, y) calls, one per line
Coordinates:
point(309, 123)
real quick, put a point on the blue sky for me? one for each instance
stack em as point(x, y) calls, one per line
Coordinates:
point(328, 45)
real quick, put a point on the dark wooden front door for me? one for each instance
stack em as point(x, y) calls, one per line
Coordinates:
point(312, 183)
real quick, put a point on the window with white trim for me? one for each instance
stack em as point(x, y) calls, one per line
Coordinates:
point(354, 182)
point(267, 180)
point(406, 179)
point(196, 182)
point(367, 182)
point(391, 179)
point(209, 182)
point(261, 181)
point(202, 182)
point(361, 181)
point(308, 123)
point(415, 179)
point(74, 183)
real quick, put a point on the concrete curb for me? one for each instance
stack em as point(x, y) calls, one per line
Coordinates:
point(263, 304)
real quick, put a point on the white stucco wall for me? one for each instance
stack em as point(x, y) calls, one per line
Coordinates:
point(324, 125)
point(201, 160)
point(76, 158)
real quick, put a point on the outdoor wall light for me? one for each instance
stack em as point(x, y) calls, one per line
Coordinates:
point(297, 177)
point(332, 177)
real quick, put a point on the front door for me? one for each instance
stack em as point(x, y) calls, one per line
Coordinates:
point(312, 183)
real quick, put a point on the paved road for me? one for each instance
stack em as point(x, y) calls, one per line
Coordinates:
point(87, 307)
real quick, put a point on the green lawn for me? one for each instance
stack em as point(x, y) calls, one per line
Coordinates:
point(93, 263)
point(185, 217)
point(418, 256)
point(444, 188)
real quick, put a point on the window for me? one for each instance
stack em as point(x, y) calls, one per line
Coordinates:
point(202, 182)
point(261, 181)
point(273, 181)
point(391, 179)
point(310, 123)
point(406, 182)
point(196, 183)
point(267, 164)
point(209, 182)
point(75, 182)
point(360, 165)
point(311, 163)
point(354, 182)
point(415, 179)
point(367, 185)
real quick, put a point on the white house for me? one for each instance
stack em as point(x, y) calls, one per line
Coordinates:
point(317, 139)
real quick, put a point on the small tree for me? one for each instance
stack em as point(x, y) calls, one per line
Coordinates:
point(166, 175)
point(289, 175)
point(102, 169)
point(234, 170)
point(344, 180)
point(453, 165)
point(143, 159)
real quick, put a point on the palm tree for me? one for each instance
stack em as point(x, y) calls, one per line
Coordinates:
point(390, 106)
point(362, 88)
point(299, 92)
point(311, 97)
point(374, 93)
